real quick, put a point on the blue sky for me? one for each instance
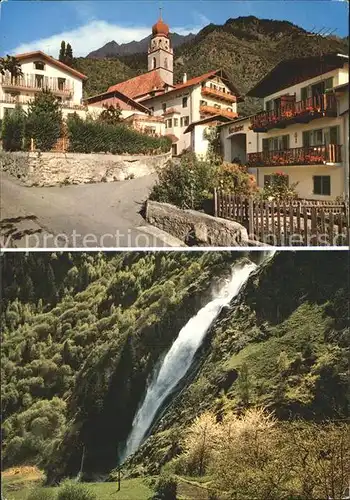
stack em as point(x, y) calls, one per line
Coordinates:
point(87, 25)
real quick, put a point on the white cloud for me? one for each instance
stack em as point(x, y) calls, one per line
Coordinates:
point(95, 34)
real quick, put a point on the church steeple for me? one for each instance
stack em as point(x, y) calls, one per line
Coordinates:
point(160, 52)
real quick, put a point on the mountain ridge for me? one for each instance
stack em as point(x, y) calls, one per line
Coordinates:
point(114, 49)
point(245, 47)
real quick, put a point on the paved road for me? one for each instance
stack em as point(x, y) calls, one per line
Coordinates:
point(87, 215)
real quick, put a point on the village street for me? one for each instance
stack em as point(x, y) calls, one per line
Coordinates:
point(89, 215)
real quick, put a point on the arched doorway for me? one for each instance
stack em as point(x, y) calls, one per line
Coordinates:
point(239, 148)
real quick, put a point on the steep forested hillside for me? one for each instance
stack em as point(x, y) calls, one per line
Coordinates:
point(246, 47)
point(79, 329)
point(83, 332)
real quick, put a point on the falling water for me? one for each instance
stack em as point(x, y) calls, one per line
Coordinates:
point(180, 356)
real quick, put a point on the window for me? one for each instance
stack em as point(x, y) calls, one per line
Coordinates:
point(170, 123)
point(176, 122)
point(61, 83)
point(39, 65)
point(164, 107)
point(185, 121)
point(268, 105)
point(321, 137)
point(8, 111)
point(203, 103)
point(166, 63)
point(279, 143)
point(328, 84)
point(150, 130)
point(322, 184)
point(39, 81)
point(184, 102)
point(154, 63)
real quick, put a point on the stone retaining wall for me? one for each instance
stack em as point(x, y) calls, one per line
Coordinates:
point(195, 228)
point(50, 169)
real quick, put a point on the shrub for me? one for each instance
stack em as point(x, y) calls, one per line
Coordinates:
point(278, 188)
point(191, 182)
point(12, 130)
point(96, 136)
point(234, 178)
point(186, 184)
point(165, 488)
point(75, 491)
point(41, 494)
point(44, 123)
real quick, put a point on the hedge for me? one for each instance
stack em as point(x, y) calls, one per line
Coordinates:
point(96, 137)
point(12, 130)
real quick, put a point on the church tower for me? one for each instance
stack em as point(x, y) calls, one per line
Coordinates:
point(160, 52)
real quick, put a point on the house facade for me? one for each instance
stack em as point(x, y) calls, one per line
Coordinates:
point(41, 71)
point(180, 104)
point(303, 128)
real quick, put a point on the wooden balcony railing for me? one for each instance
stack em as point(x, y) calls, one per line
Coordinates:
point(23, 100)
point(311, 155)
point(225, 96)
point(292, 112)
point(31, 82)
point(212, 110)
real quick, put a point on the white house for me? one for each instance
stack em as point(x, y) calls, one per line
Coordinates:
point(302, 130)
point(179, 104)
point(41, 71)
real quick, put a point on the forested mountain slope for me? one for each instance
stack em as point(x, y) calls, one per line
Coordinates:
point(83, 332)
point(246, 47)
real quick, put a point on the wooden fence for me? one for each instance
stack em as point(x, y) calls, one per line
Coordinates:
point(292, 223)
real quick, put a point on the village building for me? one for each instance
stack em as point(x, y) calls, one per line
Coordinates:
point(303, 130)
point(180, 104)
point(41, 71)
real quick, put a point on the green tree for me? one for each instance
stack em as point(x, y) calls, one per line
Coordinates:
point(44, 123)
point(62, 53)
point(69, 55)
point(13, 127)
point(10, 64)
point(111, 115)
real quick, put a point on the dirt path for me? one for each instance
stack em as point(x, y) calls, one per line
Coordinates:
point(87, 215)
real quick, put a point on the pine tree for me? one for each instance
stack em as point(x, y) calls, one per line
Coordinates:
point(62, 55)
point(69, 55)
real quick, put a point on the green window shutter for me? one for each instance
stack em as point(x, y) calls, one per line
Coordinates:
point(285, 142)
point(303, 93)
point(306, 139)
point(326, 184)
point(317, 184)
point(265, 144)
point(334, 135)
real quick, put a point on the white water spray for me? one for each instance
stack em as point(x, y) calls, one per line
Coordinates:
point(180, 356)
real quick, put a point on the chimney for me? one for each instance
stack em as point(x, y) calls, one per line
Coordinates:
point(185, 78)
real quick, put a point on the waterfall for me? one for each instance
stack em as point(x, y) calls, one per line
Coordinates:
point(180, 356)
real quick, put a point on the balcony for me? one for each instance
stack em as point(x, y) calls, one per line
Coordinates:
point(295, 112)
point(212, 110)
point(311, 155)
point(224, 96)
point(29, 82)
point(23, 100)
